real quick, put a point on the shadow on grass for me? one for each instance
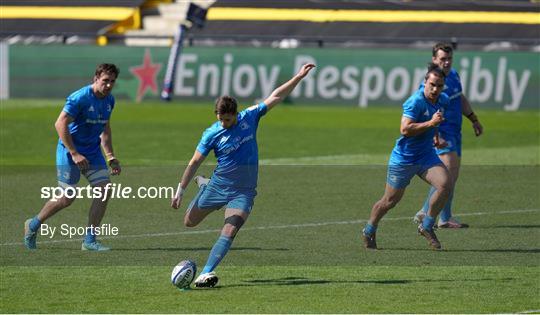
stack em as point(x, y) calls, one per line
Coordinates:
point(294, 281)
point(517, 250)
point(517, 226)
point(445, 250)
point(174, 249)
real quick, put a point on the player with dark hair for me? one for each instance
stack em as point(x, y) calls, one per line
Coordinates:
point(233, 183)
point(450, 131)
point(413, 155)
point(84, 128)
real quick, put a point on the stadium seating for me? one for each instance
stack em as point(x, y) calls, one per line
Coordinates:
point(360, 23)
point(85, 18)
point(363, 22)
point(139, 22)
point(161, 22)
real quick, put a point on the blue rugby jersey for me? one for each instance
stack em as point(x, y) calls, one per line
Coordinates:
point(453, 113)
point(410, 150)
point(235, 149)
point(90, 115)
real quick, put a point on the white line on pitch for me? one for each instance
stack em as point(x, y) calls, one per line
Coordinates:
point(287, 226)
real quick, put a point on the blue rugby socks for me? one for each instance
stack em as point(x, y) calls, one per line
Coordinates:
point(35, 224)
point(90, 236)
point(446, 212)
point(428, 222)
point(220, 249)
point(369, 229)
point(425, 208)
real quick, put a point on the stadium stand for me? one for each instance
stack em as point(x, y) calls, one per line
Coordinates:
point(161, 22)
point(364, 22)
point(140, 22)
point(68, 18)
point(499, 24)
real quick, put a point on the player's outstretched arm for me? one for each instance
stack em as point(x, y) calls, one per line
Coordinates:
point(189, 172)
point(284, 90)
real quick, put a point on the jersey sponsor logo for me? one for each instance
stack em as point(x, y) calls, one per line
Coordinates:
point(244, 125)
point(238, 143)
point(426, 113)
point(91, 109)
point(96, 121)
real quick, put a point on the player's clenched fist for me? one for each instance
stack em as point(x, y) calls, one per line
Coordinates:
point(437, 118)
point(115, 167)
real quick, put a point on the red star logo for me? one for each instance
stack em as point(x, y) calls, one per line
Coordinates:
point(147, 75)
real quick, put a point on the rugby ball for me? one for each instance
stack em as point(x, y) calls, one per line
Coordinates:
point(183, 274)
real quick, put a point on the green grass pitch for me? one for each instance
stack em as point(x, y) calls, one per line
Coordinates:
point(321, 170)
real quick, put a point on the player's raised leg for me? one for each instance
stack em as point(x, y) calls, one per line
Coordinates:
point(203, 204)
point(195, 215)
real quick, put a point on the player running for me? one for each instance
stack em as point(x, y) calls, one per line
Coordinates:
point(414, 154)
point(450, 130)
point(83, 126)
point(233, 183)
